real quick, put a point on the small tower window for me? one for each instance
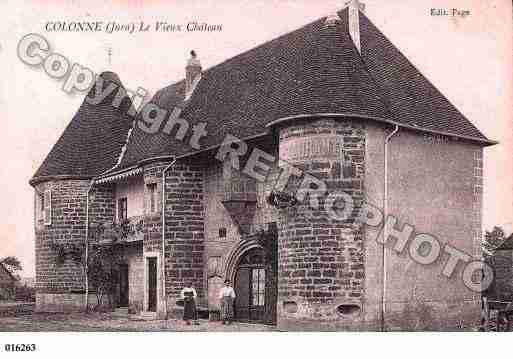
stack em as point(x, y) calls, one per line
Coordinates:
point(46, 204)
point(222, 232)
point(152, 196)
point(122, 209)
point(40, 206)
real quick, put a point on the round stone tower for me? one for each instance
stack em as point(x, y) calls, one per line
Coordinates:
point(61, 185)
point(320, 256)
point(60, 218)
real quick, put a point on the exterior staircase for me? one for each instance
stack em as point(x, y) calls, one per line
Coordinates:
point(122, 313)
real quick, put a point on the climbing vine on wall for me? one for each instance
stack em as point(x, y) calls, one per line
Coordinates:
point(100, 261)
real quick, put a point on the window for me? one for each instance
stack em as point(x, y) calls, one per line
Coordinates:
point(214, 265)
point(222, 232)
point(122, 209)
point(152, 193)
point(47, 207)
point(258, 287)
point(40, 206)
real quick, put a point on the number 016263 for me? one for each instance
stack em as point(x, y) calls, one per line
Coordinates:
point(20, 347)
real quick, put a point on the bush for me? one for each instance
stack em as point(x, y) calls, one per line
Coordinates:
point(25, 294)
point(7, 292)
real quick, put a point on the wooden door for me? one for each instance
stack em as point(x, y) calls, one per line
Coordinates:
point(257, 307)
point(152, 284)
point(242, 300)
point(123, 286)
point(251, 286)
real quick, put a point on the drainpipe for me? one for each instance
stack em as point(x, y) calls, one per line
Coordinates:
point(86, 264)
point(163, 266)
point(385, 234)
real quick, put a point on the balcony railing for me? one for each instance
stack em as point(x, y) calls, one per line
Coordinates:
point(131, 230)
point(135, 229)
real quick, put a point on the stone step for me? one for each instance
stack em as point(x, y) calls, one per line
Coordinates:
point(120, 312)
point(144, 316)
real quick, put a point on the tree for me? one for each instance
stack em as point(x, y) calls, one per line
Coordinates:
point(98, 258)
point(493, 240)
point(12, 264)
point(105, 258)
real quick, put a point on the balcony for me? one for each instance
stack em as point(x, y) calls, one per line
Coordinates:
point(130, 231)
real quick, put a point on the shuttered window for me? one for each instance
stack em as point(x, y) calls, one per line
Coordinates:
point(47, 207)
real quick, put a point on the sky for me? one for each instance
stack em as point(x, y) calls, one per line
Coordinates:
point(469, 59)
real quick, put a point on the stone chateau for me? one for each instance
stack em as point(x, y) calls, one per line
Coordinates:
point(334, 100)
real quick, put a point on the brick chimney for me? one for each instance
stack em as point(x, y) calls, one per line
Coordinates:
point(355, 7)
point(192, 72)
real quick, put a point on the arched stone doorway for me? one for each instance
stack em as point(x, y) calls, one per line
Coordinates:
point(250, 286)
point(253, 269)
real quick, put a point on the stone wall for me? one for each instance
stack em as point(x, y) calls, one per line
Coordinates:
point(257, 217)
point(152, 241)
point(62, 302)
point(321, 268)
point(68, 225)
point(61, 288)
point(133, 257)
point(153, 221)
point(330, 272)
point(184, 232)
point(102, 205)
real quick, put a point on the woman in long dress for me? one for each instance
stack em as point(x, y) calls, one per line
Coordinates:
point(188, 295)
point(227, 297)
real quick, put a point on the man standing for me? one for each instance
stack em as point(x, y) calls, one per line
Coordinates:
point(227, 297)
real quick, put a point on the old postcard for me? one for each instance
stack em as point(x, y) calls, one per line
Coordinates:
point(267, 166)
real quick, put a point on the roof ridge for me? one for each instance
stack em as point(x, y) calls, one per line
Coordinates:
point(439, 96)
point(381, 93)
point(263, 44)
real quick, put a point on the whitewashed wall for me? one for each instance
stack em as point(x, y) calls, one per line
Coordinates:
point(133, 189)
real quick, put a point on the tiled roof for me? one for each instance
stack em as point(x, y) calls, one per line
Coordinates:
point(92, 141)
point(142, 145)
point(412, 99)
point(315, 69)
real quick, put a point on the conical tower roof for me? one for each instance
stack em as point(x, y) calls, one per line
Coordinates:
point(92, 142)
